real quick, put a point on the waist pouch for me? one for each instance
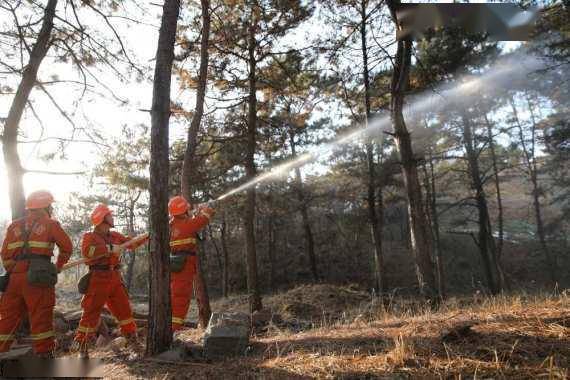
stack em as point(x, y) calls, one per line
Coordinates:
point(178, 260)
point(4, 279)
point(104, 267)
point(42, 272)
point(83, 283)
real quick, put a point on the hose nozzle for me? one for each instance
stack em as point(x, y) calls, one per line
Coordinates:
point(210, 203)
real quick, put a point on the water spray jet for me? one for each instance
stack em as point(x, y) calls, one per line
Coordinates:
point(504, 71)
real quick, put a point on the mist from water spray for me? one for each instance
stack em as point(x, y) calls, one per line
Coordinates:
point(458, 94)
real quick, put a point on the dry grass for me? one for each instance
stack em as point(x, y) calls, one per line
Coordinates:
point(519, 336)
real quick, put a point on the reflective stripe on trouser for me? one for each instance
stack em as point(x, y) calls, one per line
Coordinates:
point(20, 297)
point(181, 292)
point(105, 289)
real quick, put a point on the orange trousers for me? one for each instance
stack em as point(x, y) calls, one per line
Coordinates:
point(181, 292)
point(105, 289)
point(39, 302)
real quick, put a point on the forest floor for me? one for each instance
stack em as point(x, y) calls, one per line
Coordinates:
point(326, 331)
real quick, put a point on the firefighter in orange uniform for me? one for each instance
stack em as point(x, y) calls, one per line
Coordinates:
point(30, 241)
point(183, 230)
point(105, 282)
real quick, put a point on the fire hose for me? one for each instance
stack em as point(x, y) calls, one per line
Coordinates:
point(116, 249)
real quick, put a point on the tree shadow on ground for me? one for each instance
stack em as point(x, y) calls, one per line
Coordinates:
point(499, 351)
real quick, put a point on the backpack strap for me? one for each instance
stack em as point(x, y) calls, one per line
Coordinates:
point(26, 234)
point(25, 254)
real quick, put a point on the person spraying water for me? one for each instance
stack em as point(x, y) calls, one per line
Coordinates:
point(184, 228)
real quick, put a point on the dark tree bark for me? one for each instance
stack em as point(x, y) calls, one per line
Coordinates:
point(223, 236)
point(500, 220)
point(202, 297)
point(500, 217)
point(532, 171)
point(307, 231)
point(432, 216)
point(189, 164)
point(250, 170)
point(14, 167)
point(486, 239)
point(379, 258)
point(435, 224)
point(271, 242)
point(375, 224)
point(420, 234)
point(131, 232)
point(219, 258)
point(159, 335)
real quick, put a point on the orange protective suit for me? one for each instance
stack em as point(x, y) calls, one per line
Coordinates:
point(20, 296)
point(106, 286)
point(183, 239)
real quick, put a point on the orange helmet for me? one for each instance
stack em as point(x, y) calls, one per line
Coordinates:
point(39, 199)
point(178, 205)
point(99, 213)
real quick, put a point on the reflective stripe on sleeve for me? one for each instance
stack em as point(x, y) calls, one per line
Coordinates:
point(180, 321)
point(126, 321)
point(86, 330)
point(175, 243)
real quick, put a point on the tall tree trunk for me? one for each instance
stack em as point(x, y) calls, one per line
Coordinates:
point(485, 233)
point(202, 297)
point(500, 216)
point(14, 167)
point(420, 234)
point(500, 219)
point(530, 158)
point(250, 169)
point(159, 335)
point(375, 230)
point(131, 232)
point(219, 254)
point(271, 249)
point(225, 279)
point(435, 223)
point(307, 231)
point(431, 213)
point(12, 161)
point(131, 271)
point(189, 164)
point(379, 258)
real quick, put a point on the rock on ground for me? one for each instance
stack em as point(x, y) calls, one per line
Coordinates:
point(227, 334)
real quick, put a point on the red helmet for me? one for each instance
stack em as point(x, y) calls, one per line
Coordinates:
point(178, 206)
point(39, 199)
point(98, 214)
